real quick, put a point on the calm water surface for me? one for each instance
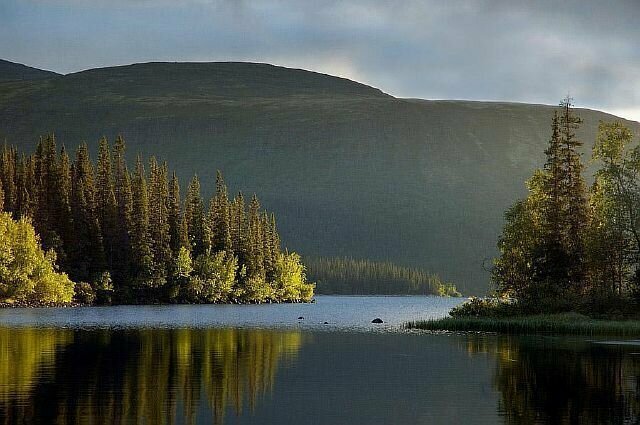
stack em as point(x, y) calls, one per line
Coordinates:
point(261, 365)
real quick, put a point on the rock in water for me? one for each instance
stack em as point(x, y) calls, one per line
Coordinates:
point(377, 320)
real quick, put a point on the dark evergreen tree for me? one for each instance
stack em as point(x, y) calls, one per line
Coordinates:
point(159, 229)
point(106, 202)
point(123, 255)
point(175, 216)
point(140, 239)
point(64, 217)
point(255, 245)
point(219, 217)
point(194, 217)
point(576, 211)
point(87, 250)
point(48, 213)
point(8, 177)
point(542, 246)
point(238, 228)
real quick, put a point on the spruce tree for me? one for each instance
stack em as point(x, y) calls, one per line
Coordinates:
point(238, 228)
point(255, 245)
point(8, 176)
point(65, 220)
point(576, 213)
point(159, 229)
point(22, 201)
point(175, 219)
point(47, 194)
point(141, 246)
point(542, 246)
point(106, 201)
point(194, 217)
point(124, 206)
point(219, 217)
point(88, 250)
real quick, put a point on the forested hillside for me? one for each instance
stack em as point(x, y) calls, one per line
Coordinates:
point(349, 170)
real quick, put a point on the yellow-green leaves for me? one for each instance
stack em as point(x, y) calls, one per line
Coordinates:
point(27, 273)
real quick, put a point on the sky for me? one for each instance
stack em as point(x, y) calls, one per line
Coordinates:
point(499, 50)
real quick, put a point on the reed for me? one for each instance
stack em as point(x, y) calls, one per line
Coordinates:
point(556, 324)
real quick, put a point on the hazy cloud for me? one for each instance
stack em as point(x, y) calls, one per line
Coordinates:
point(486, 50)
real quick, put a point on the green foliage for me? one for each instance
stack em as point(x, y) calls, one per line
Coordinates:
point(482, 307)
point(542, 248)
point(183, 263)
point(557, 256)
point(103, 287)
point(365, 277)
point(213, 278)
point(130, 235)
point(614, 236)
point(290, 280)
point(84, 293)
point(27, 273)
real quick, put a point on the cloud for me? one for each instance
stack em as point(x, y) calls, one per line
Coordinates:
point(484, 50)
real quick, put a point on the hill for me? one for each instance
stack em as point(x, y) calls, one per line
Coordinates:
point(348, 169)
point(11, 71)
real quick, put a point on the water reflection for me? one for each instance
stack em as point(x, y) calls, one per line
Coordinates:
point(555, 381)
point(136, 376)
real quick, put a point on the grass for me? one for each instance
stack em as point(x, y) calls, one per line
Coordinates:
point(557, 324)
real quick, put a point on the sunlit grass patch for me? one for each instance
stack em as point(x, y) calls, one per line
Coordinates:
point(559, 324)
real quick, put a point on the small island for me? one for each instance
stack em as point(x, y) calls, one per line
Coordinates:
point(82, 233)
point(569, 256)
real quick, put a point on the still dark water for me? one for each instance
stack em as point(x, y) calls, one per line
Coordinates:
point(260, 365)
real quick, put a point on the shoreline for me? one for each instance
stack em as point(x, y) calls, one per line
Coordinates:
point(545, 324)
point(33, 305)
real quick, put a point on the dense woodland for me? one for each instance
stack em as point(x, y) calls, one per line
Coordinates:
point(364, 277)
point(127, 236)
point(570, 247)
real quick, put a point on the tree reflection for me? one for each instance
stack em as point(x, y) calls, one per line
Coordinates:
point(136, 376)
point(544, 380)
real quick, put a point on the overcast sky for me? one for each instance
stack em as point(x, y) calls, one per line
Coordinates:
point(525, 51)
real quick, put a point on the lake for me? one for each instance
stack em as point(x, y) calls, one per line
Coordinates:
point(261, 365)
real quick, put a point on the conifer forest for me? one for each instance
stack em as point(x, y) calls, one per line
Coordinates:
point(127, 235)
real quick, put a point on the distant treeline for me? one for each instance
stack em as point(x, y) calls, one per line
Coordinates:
point(131, 238)
point(364, 277)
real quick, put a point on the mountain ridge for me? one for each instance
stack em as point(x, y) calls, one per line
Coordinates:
point(13, 71)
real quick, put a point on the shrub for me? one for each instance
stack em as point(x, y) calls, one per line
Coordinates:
point(290, 280)
point(27, 273)
point(104, 288)
point(212, 278)
point(84, 293)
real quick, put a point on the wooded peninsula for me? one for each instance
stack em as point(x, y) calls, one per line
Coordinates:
point(97, 233)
